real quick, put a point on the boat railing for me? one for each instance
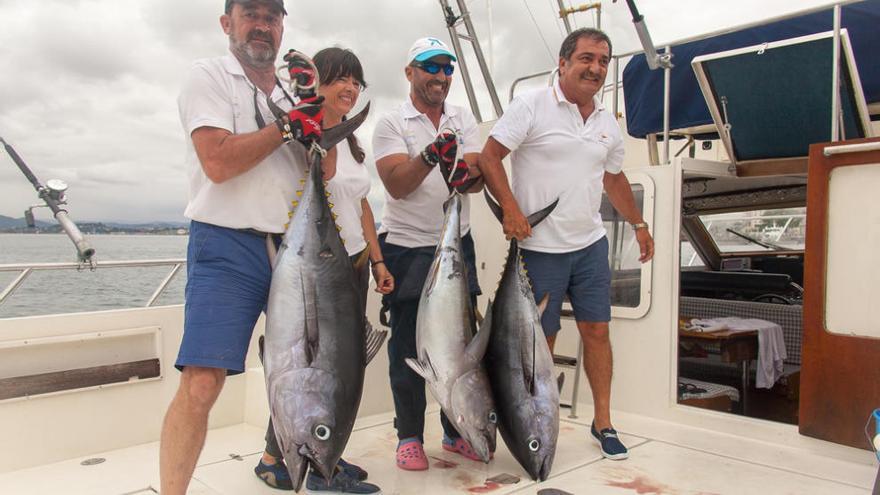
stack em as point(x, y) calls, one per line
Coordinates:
point(24, 270)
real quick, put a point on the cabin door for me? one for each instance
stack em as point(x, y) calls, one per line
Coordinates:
point(840, 377)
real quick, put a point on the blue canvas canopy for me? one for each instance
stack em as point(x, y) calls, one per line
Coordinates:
point(643, 88)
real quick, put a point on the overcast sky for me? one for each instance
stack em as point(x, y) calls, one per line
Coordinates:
point(88, 88)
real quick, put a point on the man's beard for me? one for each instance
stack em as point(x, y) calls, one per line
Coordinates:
point(251, 54)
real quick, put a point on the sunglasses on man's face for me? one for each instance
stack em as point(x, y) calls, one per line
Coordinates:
point(434, 68)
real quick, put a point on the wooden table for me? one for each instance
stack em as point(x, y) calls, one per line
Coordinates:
point(735, 346)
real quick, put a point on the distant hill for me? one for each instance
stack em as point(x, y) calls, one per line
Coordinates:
point(18, 223)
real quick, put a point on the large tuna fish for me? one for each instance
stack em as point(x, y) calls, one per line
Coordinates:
point(318, 341)
point(449, 349)
point(520, 365)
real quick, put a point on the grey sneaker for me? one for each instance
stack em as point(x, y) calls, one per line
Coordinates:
point(342, 483)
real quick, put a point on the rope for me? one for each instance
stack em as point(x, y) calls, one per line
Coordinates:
point(549, 52)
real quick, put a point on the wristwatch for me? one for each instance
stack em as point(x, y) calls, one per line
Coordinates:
point(640, 225)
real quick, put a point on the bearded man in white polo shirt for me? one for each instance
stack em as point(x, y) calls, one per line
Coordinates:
point(242, 179)
point(416, 148)
point(566, 145)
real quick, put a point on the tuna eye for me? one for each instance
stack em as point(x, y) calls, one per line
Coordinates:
point(493, 418)
point(534, 445)
point(322, 432)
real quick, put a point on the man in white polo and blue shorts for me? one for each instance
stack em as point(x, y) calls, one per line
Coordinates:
point(242, 179)
point(566, 145)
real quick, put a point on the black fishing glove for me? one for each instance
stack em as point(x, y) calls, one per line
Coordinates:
point(442, 150)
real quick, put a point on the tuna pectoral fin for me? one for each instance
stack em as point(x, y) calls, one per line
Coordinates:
point(374, 342)
point(476, 349)
point(425, 370)
point(559, 381)
point(543, 304)
point(362, 258)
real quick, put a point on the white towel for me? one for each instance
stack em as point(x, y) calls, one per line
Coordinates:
point(771, 344)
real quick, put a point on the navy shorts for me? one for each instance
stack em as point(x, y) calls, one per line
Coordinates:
point(227, 287)
point(583, 275)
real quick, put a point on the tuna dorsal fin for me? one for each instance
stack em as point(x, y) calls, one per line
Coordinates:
point(536, 217)
point(335, 134)
point(362, 258)
point(560, 380)
point(543, 304)
point(375, 339)
point(476, 348)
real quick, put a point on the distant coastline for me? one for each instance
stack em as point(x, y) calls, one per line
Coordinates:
point(19, 226)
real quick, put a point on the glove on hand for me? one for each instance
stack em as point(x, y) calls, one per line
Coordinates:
point(303, 123)
point(442, 150)
point(302, 73)
point(456, 175)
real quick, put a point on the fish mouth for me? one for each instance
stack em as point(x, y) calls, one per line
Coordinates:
point(297, 465)
point(544, 471)
point(326, 471)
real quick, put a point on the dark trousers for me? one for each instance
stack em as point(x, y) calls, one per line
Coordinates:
point(363, 276)
point(407, 386)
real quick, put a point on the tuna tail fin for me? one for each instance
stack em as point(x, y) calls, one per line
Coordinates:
point(538, 216)
point(449, 200)
point(534, 219)
point(495, 207)
point(476, 348)
point(375, 339)
point(335, 134)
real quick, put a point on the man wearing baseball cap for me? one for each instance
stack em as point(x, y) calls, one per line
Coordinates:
point(416, 149)
point(242, 179)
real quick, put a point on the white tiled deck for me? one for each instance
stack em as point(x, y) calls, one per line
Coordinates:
point(664, 459)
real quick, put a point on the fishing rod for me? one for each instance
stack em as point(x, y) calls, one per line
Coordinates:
point(53, 195)
point(654, 59)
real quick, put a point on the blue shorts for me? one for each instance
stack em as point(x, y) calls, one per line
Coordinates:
point(583, 275)
point(227, 287)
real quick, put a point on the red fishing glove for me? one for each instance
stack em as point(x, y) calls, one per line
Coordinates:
point(303, 123)
point(456, 175)
point(303, 74)
point(442, 150)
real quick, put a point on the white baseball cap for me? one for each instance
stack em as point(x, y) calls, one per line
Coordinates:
point(425, 48)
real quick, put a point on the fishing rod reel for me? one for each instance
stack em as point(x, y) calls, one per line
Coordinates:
point(53, 198)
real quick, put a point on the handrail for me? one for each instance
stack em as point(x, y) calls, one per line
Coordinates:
point(850, 148)
point(25, 269)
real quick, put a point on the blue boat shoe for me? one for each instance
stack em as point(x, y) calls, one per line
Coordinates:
point(609, 444)
point(274, 475)
point(342, 483)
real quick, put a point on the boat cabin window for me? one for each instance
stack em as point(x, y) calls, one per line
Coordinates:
point(628, 275)
point(780, 229)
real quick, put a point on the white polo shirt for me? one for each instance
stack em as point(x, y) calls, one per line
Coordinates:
point(417, 219)
point(347, 188)
point(556, 154)
point(217, 93)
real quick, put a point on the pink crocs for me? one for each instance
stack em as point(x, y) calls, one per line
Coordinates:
point(460, 446)
point(411, 455)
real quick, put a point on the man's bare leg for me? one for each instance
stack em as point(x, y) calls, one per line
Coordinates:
point(185, 426)
point(598, 365)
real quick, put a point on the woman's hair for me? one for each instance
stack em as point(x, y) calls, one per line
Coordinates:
point(335, 63)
